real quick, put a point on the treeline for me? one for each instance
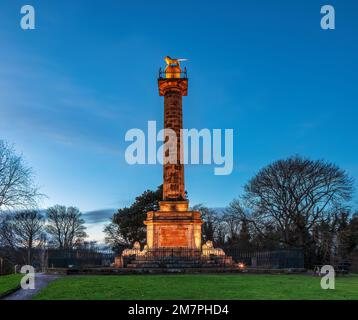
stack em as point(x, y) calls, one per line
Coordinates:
point(25, 234)
point(327, 243)
point(291, 203)
point(23, 229)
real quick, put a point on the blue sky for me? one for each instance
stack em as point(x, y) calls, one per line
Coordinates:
point(70, 89)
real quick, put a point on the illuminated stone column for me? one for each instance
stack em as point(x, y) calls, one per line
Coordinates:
point(173, 173)
point(174, 225)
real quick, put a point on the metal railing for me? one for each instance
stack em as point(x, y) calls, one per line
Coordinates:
point(274, 259)
point(65, 258)
point(172, 74)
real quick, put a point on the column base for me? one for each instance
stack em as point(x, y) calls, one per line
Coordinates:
point(173, 226)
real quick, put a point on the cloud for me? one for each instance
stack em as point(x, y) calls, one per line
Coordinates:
point(98, 216)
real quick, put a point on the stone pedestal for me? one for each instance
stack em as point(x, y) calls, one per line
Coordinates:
point(173, 226)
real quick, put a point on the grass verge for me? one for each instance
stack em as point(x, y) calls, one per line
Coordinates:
point(158, 287)
point(9, 283)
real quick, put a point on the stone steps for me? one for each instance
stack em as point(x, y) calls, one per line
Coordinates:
point(177, 263)
point(129, 271)
point(169, 266)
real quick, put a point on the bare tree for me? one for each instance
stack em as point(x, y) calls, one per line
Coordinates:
point(293, 195)
point(28, 228)
point(220, 234)
point(65, 226)
point(7, 234)
point(21, 230)
point(210, 219)
point(114, 236)
point(233, 217)
point(17, 189)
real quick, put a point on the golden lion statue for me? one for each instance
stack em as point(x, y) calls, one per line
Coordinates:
point(172, 70)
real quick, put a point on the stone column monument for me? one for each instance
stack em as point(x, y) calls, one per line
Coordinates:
point(173, 226)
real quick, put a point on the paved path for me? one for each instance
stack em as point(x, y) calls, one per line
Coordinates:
point(42, 280)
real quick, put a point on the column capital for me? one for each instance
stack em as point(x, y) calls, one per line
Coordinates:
point(177, 85)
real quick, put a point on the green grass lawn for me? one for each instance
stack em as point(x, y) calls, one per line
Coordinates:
point(9, 282)
point(198, 287)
